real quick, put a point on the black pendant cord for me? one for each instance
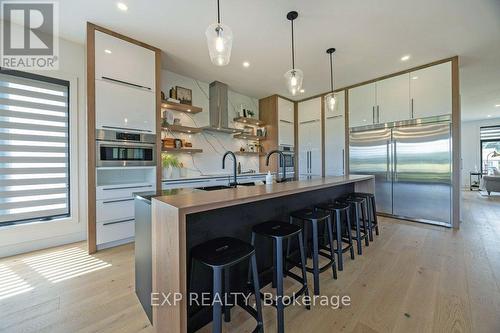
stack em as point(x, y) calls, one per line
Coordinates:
point(331, 71)
point(293, 50)
point(218, 12)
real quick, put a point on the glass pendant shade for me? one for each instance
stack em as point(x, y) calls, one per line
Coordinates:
point(294, 79)
point(330, 102)
point(220, 41)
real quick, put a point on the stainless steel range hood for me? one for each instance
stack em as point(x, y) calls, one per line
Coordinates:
point(219, 110)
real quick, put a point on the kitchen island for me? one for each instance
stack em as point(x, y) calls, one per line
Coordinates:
point(182, 221)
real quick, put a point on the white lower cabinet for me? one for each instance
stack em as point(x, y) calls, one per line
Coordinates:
point(114, 231)
point(335, 139)
point(115, 213)
point(309, 137)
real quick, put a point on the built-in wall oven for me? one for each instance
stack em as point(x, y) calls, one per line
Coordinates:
point(289, 153)
point(124, 149)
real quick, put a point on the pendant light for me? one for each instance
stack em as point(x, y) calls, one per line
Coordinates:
point(294, 76)
point(220, 41)
point(330, 98)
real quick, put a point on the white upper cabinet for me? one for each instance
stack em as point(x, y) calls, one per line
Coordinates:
point(310, 147)
point(393, 99)
point(120, 107)
point(285, 122)
point(335, 138)
point(362, 103)
point(430, 91)
point(116, 59)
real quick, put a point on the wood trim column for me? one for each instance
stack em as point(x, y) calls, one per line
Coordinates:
point(91, 176)
point(456, 142)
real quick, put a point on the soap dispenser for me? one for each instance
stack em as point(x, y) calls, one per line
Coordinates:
point(269, 178)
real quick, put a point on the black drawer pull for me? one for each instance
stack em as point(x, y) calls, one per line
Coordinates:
point(116, 222)
point(124, 82)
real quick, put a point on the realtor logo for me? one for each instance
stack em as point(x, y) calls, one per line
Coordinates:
point(29, 35)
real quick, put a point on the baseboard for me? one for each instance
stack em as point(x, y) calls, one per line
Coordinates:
point(19, 248)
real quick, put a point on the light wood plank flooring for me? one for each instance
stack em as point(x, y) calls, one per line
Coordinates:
point(413, 278)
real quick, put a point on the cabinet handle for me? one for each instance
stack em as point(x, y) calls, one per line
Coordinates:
point(286, 121)
point(105, 78)
point(378, 114)
point(127, 129)
point(412, 113)
point(373, 114)
point(125, 187)
point(119, 200)
point(116, 222)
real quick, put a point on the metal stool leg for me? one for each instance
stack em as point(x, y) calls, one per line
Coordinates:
point(256, 288)
point(332, 250)
point(315, 256)
point(374, 208)
point(279, 285)
point(358, 227)
point(303, 262)
point(217, 306)
point(227, 295)
point(249, 277)
point(364, 218)
point(340, 255)
point(349, 235)
point(369, 212)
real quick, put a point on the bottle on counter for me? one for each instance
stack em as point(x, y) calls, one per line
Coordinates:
point(269, 178)
point(239, 168)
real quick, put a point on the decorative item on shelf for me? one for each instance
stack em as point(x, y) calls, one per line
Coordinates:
point(177, 121)
point(248, 130)
point(184, 95)
point(251, 147)
point(168, 143)
point(168, 116)
point(330, 98)
point(173, 100)
point(162, 94)
point(294, 76)
point(177, 143)
point(242, 149)
point(258, 147)
point(219, 40)
point(169, 162)
point(182, 171)
point(188, 144)
point(172, 93)
point(261, 131)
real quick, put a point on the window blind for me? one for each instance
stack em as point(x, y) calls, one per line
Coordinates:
point(34, 148)
point(490, 133)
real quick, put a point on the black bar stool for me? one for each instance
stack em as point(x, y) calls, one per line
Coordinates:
point(372, 212)
point(358, 210)
point(279, 231)
point(314, 217)
point(220, 254)
point(340, 215)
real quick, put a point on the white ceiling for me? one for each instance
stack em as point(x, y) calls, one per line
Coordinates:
point(370, 37)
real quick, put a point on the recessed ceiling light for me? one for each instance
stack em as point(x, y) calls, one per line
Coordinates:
point(405, 57)
point(121, 6)
point(246, 64)
point(107, 51)
point(302, 91)
point(497, 105)
point(415, 78)
point(489, 116)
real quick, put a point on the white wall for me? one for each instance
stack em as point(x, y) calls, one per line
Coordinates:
point(214, 145)
point(33, 236)
point(471, 154)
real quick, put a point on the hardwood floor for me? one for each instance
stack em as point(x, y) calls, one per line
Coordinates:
point(413, 278)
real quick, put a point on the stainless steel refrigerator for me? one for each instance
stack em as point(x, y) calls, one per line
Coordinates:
point(412, 164)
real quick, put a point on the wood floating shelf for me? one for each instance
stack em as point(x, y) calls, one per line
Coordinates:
point(249, 153)
point(180, 107)
point(249, 137)
point(182, 150)
point(249, 121)
point(183, 129)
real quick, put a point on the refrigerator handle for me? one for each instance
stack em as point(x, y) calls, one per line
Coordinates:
point(373, 114)
point(412, 112)
point(395, 157)
point(378, 114)
point(343, 162)
point(387, 173)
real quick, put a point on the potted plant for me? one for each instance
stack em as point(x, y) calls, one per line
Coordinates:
point(169, 162)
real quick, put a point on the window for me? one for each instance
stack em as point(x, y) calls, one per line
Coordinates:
point(490, 142)
point(34, 148)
